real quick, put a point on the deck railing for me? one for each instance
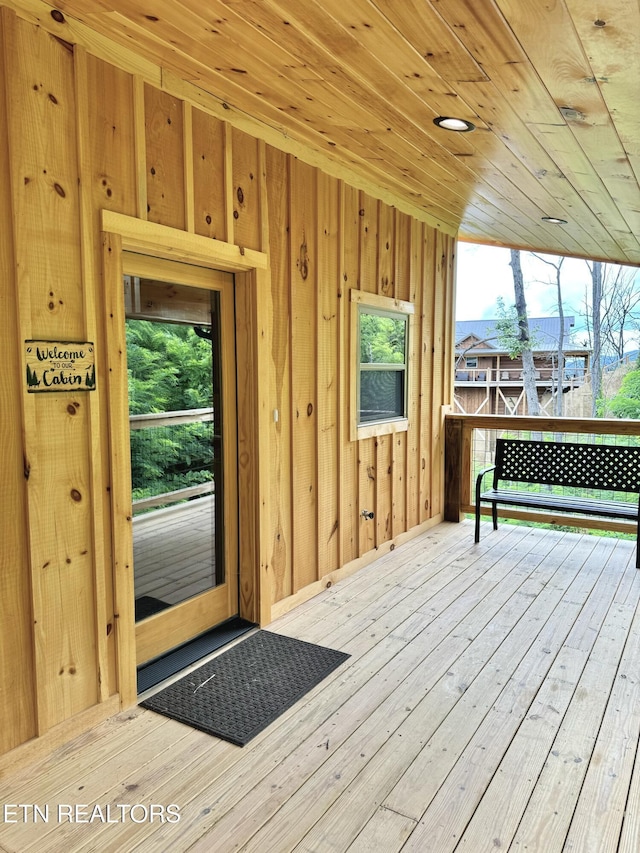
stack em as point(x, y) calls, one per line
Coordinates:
point(572, 377)
point(155, 420)
point(469, 445)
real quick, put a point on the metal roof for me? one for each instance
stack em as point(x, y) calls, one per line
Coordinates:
point(545, 333)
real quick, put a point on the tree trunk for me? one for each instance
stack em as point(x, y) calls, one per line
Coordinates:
point(559, 397)
point(596, 304)
point(528, 367)
point(560, 383)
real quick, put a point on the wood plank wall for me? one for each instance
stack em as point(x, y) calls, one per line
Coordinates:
point(79, 135)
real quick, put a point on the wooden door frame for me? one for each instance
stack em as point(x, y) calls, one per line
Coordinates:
point(196, 614)
point(122, 233)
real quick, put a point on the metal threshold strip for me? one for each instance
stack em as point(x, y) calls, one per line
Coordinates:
point(152, 673)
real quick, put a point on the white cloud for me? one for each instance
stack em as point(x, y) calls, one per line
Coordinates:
point(484, 274)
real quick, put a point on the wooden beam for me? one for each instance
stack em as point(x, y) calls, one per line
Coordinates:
point(596, 426)
point(452, 469)
point(189, 192)
point(96, 426)
point(162, 241)
point(140, 150)
point(121, 506)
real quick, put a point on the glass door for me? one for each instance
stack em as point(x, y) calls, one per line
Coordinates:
point(180, 365)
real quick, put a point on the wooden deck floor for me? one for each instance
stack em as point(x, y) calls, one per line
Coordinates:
point(174, 551)
point(491, 702)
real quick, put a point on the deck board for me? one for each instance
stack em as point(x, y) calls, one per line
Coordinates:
point(490, 702)
point(174, 551)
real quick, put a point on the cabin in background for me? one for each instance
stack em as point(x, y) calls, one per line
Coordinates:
point(489, 381)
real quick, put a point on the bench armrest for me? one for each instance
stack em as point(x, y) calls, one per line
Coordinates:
point(479, 481)
point(478, 490)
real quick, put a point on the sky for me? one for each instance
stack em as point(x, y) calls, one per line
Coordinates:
point(484, 274)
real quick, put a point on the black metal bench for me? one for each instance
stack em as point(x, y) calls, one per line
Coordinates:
point(585, 466)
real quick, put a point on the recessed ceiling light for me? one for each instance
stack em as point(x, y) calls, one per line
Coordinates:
point(459, 125)
point(554, 220)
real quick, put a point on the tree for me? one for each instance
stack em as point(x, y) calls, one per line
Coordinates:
point(557, 266)
point(620, 307)
point(382, 339)
point(596, 306)
point(507, 331)
point(612, 315)
point(524, 337)
point(169, 369)
point(626, 403)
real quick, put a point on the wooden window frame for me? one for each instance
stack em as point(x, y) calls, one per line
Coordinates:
point(385, 306)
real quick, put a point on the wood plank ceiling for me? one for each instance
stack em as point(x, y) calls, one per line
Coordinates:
point(553, 87)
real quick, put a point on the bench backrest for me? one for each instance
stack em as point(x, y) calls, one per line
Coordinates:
point(590, 466)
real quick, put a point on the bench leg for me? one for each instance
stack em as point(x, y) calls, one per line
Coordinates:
point(494, 514)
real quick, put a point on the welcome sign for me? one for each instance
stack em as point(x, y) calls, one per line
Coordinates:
point(60, 366)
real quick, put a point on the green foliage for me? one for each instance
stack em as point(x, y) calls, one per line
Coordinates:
point(508, 331)
point(164, 459)
point(382, 339)
point(169, 369)
point(626, 403)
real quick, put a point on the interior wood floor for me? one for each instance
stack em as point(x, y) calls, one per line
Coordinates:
point(491, 702)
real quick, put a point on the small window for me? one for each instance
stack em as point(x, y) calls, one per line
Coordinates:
point(381, 335)
point(471, 361)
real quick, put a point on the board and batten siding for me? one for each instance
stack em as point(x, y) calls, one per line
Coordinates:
point(85, 130)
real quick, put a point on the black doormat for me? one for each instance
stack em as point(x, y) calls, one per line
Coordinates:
point(239, 693)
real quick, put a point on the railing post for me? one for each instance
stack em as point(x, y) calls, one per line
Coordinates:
point(453, 469)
